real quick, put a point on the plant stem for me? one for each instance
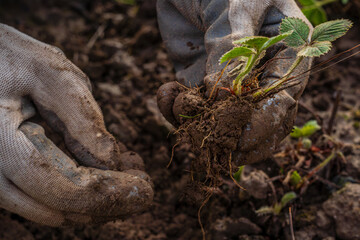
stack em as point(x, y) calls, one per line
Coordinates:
point(217, 81)
point(294, 65)
point(317, 168)
point(238, 80)
point(283, 79)
point(291, 224)
point(277, 208)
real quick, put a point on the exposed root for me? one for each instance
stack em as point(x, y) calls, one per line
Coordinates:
point(206, 200)
point(177, 132)
point(213, 137)
point(183, 86)
point(231, 174)
point(203, 141)
point(218, 80)
point(172, 153)
point(208, 164)
point(291, 224)
point(215, 134)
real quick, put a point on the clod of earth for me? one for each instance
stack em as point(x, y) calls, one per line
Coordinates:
point(344, 208)
point(213, 129)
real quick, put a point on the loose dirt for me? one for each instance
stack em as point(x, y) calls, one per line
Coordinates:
point(127, 63)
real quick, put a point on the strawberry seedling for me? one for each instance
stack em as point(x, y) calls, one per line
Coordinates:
point(277, 207)
point(296, 34)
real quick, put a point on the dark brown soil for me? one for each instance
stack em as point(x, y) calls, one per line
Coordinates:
point(127, 63)
point(213, 128)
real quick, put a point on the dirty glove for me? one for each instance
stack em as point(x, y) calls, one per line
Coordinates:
point(37, 180)
point(198, 33)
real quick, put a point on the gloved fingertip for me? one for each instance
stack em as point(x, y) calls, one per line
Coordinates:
point(188, 105)
point(31, 129)
point(132, 160)
point(140, 174)
point(165, 98)
point(93, 146)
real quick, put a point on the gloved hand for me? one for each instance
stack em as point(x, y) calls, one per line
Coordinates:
point(37, 180)
point(198, 33)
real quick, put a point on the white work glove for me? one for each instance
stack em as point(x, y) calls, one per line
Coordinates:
point(37, 180)
point(197, 33)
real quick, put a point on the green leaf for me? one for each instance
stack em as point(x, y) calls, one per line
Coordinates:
point(236, 52)
point(344, 2)
point(275, 40)
point(310, 128)
point(295, 178)
point(237, 175)
point(300, 29)
point(296, 132)
point(277, 208)
point(287, 198)
point(253, 42)
point(316, 49)
point(332, 30)
point(315, 15)
point(307, 130)
point(265, 210)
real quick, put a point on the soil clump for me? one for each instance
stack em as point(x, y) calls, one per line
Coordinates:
point(213, 128)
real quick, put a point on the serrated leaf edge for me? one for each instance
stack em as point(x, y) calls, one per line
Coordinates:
point(288, 33)
point(243, 41)
point(307, 40)
point(298, 54)
point(221, 61)
point(346, 30)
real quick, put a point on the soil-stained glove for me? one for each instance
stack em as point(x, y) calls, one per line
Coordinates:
point(198, 33)
point(37, 180)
